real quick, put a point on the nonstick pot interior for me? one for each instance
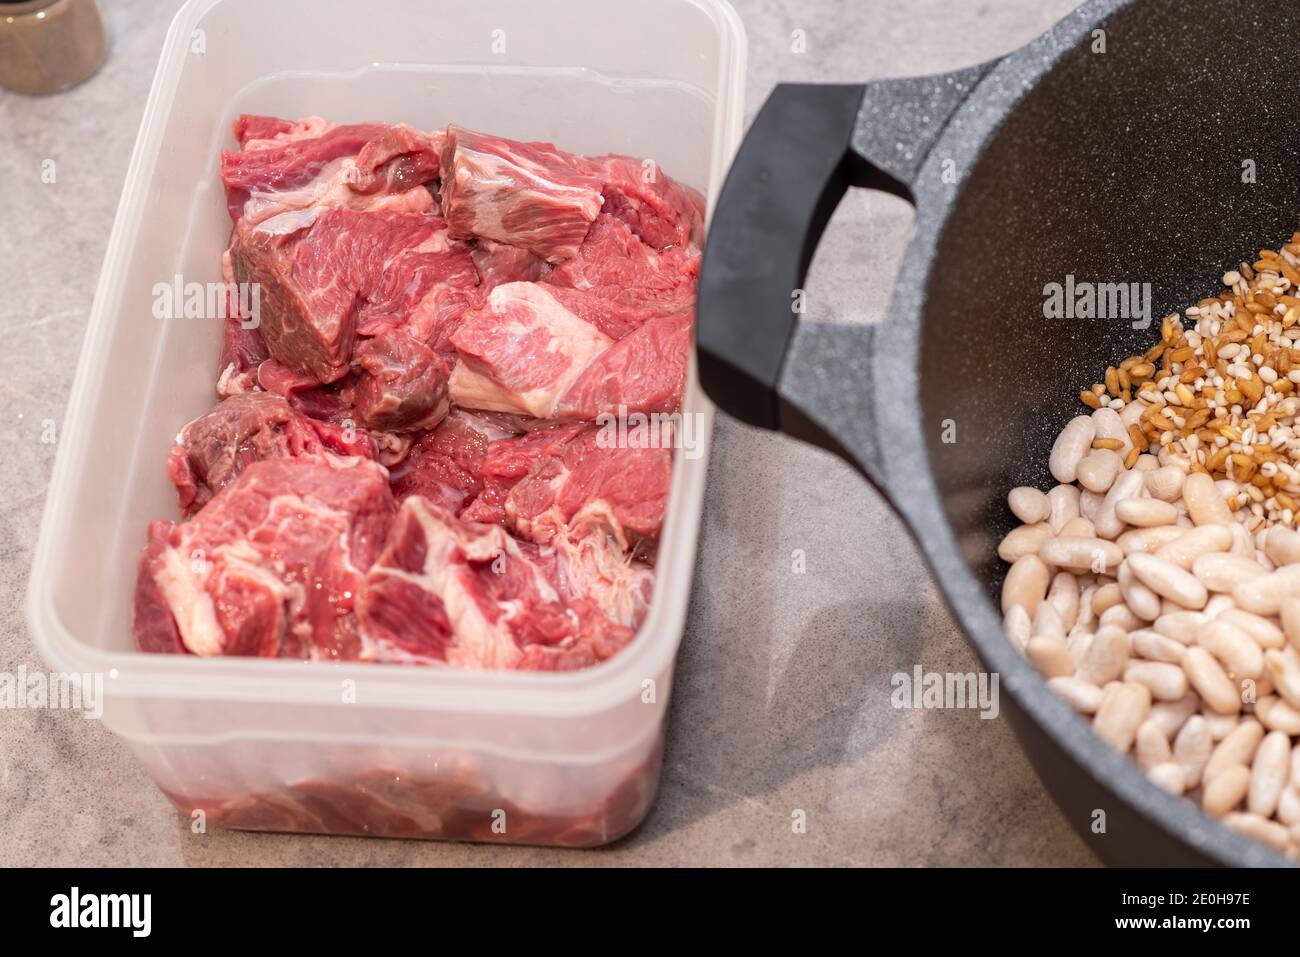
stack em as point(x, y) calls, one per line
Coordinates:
point(1122, 166)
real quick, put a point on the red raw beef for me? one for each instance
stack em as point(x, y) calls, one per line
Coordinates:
point(499, 264)
point(403, 384)
point(643, 372)
point(520, 351)
point(544, 200)
point(242, 351)
point(328, 403)
point(446, 465)
point(445, 590)
point(151, 619)
point(616, 266)
point(590, 481)
point(282, 166)
point(591, 567)
point(659, 210)
point(326, 275)
point(399, 159)
point(524, 351)
point(413, 461)
point(214, 449)
point(508, 461)
point(529, 195)
point(272, 566)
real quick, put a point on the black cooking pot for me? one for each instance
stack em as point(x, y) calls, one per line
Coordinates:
point(1118, 147)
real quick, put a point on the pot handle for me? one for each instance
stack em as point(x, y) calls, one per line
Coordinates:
point(807, 146)
point(792, 169)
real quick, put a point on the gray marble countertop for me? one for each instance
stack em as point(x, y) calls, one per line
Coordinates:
point(782, 694)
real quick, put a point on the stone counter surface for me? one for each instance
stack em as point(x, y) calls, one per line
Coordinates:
point(782, 698)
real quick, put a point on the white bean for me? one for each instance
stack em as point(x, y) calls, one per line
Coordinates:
point(1146, 512)
point(1151, 747)
point(1142, 601)
point(1070, 447)
point(1193, 747)
point(1181, 625)
point(1238, 747)
point(1194, 543)
point(1204, 503)
point(1165, 483)
point(1018, 627)
point(1149, 539)
point(1233, 647)
point(1282, 545)
point(1063, 595)
point(1023, 540)
point(1050, 656)
point(1283, 668)
point(1268, 773)
point(1107, 656)
point(1081, 554)
point(1278, 715)
point(1121, 713)
point(1266, 634)
point(1264, 595)
point(1082, 696)
point(1167, 579)
point(1064, 500)
point(1289, 612)
point(1025, 584)
point(1226, 791)
point(1221, 572)
point(1172, 715)
point(1166, 682)
point(1154, 646)
point(1169, 777)
point(1098, 469)
point(1211, 683)
point(1029, 505)
point(1127, 485)
point(1259, 829)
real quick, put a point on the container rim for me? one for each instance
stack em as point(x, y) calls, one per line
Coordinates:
point(135, 674)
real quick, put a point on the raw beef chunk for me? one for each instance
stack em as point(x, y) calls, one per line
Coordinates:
point(544, 200)
point(446, 465)
point(529, 195)
point(403, 385)
point(520, 352)
point(499, 264)
point(525, 351)
point(272, 566)
point(592, 567)
point(326, 275)
point(643, 372)
point(614, 265)
point(313, 162)
point(399, 159)
point(660, 211)
point(581, 485)
point(214, 449)
point(510, 460)
point(470, 595)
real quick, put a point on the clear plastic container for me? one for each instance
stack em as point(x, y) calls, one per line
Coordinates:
point(566, 759)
